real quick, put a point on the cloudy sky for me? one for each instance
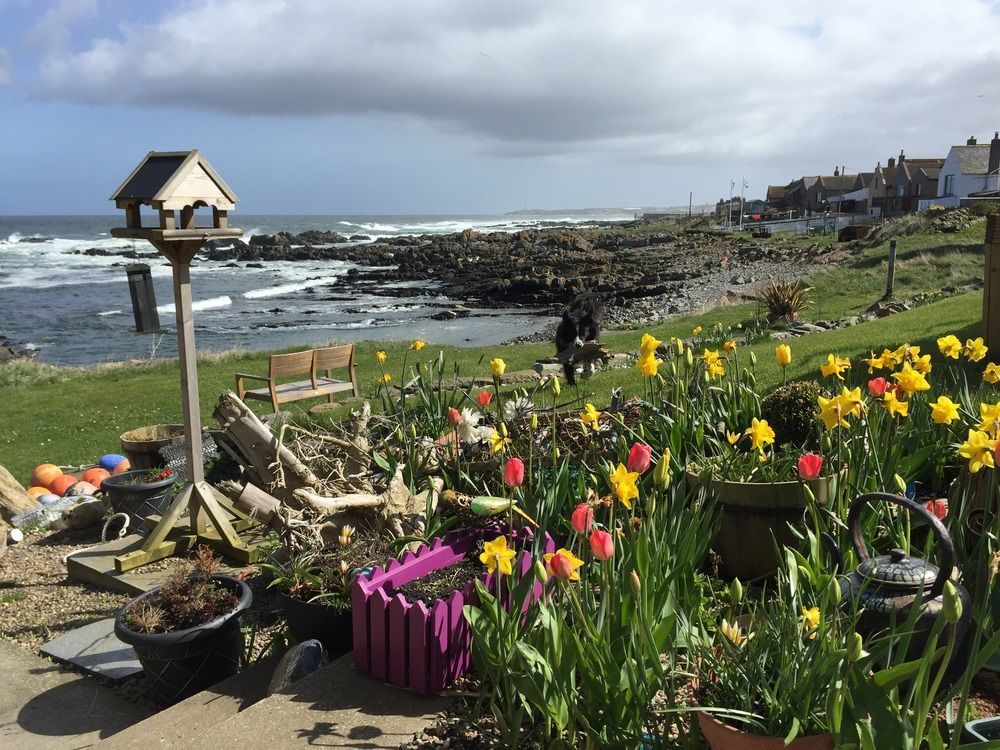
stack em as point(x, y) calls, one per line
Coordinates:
point(468, 106)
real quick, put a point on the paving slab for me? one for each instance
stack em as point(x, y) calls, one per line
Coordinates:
point(95, 649)
point(46, 707)
point(334, 707)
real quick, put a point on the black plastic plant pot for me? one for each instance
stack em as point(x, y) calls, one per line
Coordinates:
point(331, 626)
point(127, 494)
point(184, 662)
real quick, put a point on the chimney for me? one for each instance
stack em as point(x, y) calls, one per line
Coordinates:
point(891, 163)
point(994, 163)
point(971, 141)
point(836, 172)
point(902, 157)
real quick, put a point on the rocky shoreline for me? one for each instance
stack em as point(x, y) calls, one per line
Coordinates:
point(643, 276)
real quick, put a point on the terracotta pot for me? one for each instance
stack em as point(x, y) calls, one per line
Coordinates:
point(722, 736)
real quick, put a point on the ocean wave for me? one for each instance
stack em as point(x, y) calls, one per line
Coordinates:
point(109, 312)
point(212, 303)
point(283, 289)
point(14, 238)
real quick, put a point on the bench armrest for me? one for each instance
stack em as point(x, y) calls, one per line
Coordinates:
point(265, 378)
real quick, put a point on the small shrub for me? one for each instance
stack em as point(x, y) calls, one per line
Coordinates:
point(791, 412)
point(785, 299)
point(985, 208)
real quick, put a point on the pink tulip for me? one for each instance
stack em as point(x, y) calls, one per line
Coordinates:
point(454, 416)
point(582, 518)
point(562, 566)
point(938, 507)
point(602, 545)
point(810, 465)
point(513, 472)
point(877, 386)
point(484, 398)
point(640, 458)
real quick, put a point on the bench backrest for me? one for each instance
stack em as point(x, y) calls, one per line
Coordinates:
point(288, 365)
point(334, 357)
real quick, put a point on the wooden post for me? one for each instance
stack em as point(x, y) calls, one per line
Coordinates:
point(991, 283)
point(890, 277)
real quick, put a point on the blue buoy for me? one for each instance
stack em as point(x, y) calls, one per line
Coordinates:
point(109, 461)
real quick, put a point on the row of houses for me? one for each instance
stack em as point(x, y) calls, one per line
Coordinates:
point(969, 173)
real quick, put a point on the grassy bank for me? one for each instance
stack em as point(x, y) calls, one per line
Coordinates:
point(71, 416)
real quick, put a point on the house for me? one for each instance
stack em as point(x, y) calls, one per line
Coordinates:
point(776, 197)
point(896, 189)
point(967, 170)
point(831, 189)
point(814, 194)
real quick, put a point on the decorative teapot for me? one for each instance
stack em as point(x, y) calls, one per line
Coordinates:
point(886, 587)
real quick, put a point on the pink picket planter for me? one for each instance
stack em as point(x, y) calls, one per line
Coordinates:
point(415, 645)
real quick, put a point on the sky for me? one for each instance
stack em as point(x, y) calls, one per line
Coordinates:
point(465, 106)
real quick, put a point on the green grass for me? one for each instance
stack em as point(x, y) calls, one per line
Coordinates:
point(72, 416)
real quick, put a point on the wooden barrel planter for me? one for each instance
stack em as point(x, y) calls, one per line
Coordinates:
point(755, 519)
point(141, 446)
point(418, 645)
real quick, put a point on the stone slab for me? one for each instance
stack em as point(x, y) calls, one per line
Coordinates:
point(334, 707)
point(95, 649)
point(43, 706)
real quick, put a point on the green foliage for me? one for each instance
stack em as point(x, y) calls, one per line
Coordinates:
point(791, 409)
point(785, 299)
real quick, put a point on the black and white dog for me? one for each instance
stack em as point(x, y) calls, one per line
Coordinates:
point(581, 322)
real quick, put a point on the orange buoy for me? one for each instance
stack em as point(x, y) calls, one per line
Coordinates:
point(122, 467)
point(45, 474)
point(95, 476)
point(37, 491)
point(62, 483)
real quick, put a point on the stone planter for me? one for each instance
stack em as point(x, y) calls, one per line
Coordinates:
point(422, 646)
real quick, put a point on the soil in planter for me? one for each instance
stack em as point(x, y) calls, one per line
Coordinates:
point(439, 584)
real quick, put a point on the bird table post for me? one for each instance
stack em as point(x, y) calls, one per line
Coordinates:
point(171, 181)
point(991, 283)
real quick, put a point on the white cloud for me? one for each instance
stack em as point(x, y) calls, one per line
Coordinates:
point(633, 79)
point(52, 29)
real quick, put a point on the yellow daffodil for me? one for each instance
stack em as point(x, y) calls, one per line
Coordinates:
point(830, 413)
point(950, 346)
point(386, 378)
point(497, 556)
point(381, 357)
point(783, 355)
point(418, 345)
point(499, 440)
point(713, 363)
point(498, 367)
point(649, 366)
point(710, 355)
point(893, 405)
point(810, 620)
point(906, 352)
point(648, 345)
point(761, 434)
point(563, 564)
point(729, 346)
point(975, 349)
point(733, 437)
point(910, 380)
point(991, 374)
point(923, 364)
point(697, 330)
point(979, 450)
point(623, 484)
point(835, 366)
point(944, 410)
point(732, 632)
point(850, 401)
point(989, 418)
point(879, 362)
point(590, 415)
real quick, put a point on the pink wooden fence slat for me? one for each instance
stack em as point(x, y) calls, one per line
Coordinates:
point(417, 644)
point(398, 607)
point(378, 615)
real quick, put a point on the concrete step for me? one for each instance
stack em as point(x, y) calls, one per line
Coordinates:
point(174, 727)
point(334, 707)
point(46, 707)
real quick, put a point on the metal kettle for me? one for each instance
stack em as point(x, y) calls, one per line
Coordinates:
point(888, 586)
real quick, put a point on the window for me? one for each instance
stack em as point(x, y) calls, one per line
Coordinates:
point(949, 184)
point(900, 190)
point(916, 190)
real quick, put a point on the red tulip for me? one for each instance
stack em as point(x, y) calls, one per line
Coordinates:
point(810, 465)
point(484, 398)
point(454, 416)
point(877, 386)
point(582, 518)
point(602, 545)
point(640, 458)
point(513, 472)
point(938, 507)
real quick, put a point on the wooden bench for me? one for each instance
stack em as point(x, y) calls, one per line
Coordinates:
point(295, 365)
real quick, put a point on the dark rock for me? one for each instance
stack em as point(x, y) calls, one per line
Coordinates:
point(299, 661)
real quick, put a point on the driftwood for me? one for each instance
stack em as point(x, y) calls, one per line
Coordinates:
point(14, 498)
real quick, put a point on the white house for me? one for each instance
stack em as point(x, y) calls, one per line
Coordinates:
point(969, 169)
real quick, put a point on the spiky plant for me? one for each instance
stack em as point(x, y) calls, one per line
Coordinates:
point(785, 299)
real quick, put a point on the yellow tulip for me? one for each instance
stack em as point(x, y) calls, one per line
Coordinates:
point(783, 355)
point(498, 367)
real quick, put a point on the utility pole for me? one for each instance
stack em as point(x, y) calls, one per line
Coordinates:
point(732, 184)
point(744, 185)
point(690, 198)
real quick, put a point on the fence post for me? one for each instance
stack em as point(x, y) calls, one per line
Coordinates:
point(991, 283)
point(890, 278)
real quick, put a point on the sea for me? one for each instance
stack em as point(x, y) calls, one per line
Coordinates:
point(68, 308)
